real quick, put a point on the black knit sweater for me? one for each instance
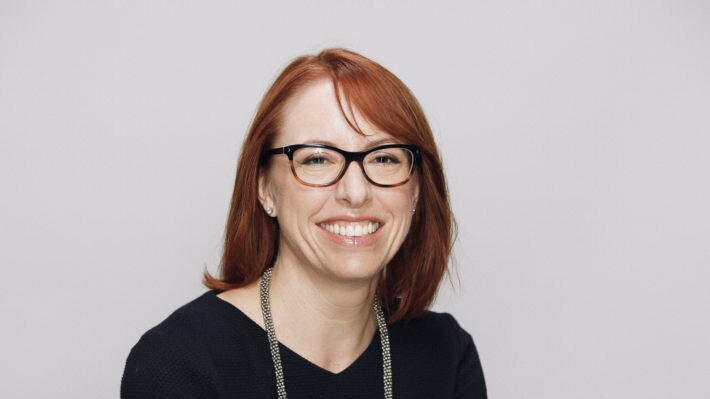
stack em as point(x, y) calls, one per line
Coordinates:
point(208, 348)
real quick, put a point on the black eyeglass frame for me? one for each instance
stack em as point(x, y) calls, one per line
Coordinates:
point(358, 157)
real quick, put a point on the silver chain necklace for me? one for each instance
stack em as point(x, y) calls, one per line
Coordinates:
point(274, 344)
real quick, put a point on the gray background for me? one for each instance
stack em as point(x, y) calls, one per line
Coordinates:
point(575, 140)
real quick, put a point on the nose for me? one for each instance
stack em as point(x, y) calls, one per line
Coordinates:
point(353, 188)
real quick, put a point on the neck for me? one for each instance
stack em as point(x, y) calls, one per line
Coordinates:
point(327, 321)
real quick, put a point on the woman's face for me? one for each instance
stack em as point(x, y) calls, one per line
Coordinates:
point(306, 215)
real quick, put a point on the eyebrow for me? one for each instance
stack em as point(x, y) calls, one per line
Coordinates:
point(370, 144)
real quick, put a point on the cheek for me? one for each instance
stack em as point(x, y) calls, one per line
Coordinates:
point(298, 205)
point(399, 205)
point(405, 196)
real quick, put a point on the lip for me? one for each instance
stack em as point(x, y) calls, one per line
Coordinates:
point(351, 218)
point(362, 241)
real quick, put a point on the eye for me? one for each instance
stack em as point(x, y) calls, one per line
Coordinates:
point(385, 159)
point(315, 160)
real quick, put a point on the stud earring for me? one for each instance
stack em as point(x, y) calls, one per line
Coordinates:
point(270, 211)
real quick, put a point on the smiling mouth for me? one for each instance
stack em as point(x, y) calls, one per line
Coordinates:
point(351, 229)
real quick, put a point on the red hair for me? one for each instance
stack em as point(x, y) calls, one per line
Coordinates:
point(410, 281)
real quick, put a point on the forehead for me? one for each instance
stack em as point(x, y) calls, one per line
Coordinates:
point(312, 115)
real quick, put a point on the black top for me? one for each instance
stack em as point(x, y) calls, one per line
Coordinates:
point(209, 348)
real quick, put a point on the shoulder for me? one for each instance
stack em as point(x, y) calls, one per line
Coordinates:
point(170, 355)
point(435, 326)
point(470, 382)
point(192, 322)
point(438, 340)
point(453, 330)
point(186, 324)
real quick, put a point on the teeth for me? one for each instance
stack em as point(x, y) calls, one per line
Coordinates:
point(350, 230)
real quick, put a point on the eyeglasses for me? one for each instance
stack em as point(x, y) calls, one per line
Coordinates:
point(318, 165)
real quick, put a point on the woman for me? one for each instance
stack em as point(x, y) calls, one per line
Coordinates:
point(338, 235)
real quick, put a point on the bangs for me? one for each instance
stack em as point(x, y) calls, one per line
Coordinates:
point(378, 96)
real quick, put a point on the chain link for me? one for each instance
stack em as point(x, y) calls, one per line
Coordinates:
point(274, 343)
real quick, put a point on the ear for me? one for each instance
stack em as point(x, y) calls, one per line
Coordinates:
point(265, 196)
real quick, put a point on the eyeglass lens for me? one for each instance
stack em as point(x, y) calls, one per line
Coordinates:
point(323, 166)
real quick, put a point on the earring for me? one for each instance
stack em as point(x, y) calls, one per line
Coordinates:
point(270, 211)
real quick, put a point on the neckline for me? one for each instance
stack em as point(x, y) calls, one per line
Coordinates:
point(372, 346)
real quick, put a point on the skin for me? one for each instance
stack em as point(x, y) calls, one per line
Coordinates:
point(322, 286)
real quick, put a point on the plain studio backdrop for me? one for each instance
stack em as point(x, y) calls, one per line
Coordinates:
point(575, 142)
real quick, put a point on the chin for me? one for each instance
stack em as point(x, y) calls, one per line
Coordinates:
point(354, 268)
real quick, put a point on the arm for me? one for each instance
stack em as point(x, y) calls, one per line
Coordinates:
point(165, 365)
point(470, 383)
